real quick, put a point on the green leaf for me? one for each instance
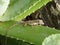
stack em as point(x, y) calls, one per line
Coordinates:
point(3, 6)
point(53, 39)
point(21, 8)
point(11, 41)
point(31, 34)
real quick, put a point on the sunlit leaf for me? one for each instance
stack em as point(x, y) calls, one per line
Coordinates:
point(31, 34)
point(3, 6)
point(19, 9)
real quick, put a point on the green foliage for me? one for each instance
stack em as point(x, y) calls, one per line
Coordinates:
point(3, 6)
point(53, 39)
point(17, 10)
point(31, 34)
point(11, 41)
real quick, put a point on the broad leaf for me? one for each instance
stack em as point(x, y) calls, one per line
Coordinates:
point(3, 6)
point(21, 8)
point(31, 34)
point(53, 39)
